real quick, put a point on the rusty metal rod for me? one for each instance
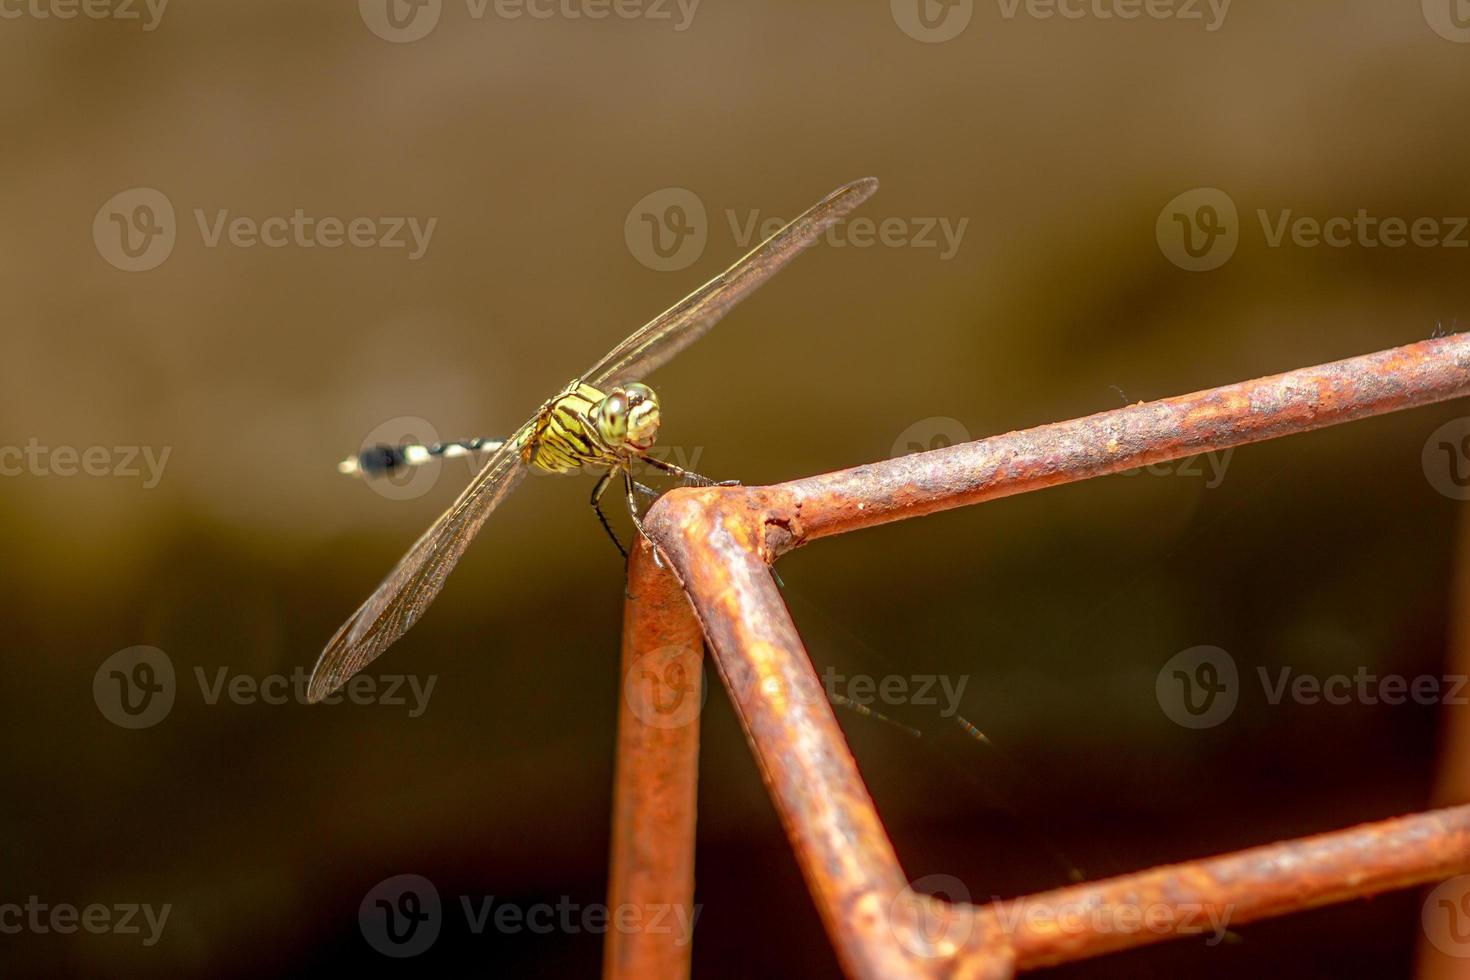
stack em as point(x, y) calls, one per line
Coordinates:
point(844, 851)
point(657, 768)
point(1206, 896)
point(718, 540)
point(1452, 783)
point(1113, 441)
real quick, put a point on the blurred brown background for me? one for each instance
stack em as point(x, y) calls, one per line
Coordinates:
point(533, 142)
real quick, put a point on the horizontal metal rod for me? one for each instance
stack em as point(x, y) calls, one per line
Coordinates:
point(1206, 896)
point(1113, 441)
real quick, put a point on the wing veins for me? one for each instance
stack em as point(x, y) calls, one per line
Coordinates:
point(416, 580)
point(653, 344)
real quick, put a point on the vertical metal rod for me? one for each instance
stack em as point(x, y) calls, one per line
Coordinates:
point(652, 867)
point(844, 852)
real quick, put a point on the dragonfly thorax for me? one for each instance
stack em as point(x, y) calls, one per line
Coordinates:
point(627, 418)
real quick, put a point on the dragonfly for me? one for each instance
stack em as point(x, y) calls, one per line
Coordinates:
point(606, 418)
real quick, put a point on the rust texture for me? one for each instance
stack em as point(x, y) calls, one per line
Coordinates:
point(1452, 784)
point(1204, 897)
point(652, 864)
point(1113, 441)
point(717, 543)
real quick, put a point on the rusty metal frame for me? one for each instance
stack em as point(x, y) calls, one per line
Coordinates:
point(715, 583)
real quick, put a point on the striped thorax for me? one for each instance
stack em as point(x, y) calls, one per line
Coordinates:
point(583, 426)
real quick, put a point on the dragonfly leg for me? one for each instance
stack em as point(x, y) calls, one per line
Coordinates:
point(647, 491)
point(688, 476)
point(633, 513)
point(597, 493)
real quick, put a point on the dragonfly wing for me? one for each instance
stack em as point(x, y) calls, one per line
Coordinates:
point(417, 578)
point(686, 321)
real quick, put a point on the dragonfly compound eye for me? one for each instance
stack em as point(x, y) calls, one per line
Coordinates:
point(638, 394)
point(612, 417)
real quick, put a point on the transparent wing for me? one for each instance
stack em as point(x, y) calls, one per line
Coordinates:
point(690, 318)
point(419, 575)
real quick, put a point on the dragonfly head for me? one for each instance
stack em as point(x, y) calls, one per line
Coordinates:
point(628, 416)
